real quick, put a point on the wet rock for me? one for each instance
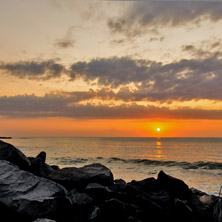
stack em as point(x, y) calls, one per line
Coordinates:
point(30, 196)
point(72, 177)
point(176, 186)
point(12, 154)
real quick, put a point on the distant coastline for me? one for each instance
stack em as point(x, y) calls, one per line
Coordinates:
point(5, 137)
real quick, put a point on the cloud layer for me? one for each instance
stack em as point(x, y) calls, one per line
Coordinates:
point(143, 16)
point(154, 81)
point(31, 106)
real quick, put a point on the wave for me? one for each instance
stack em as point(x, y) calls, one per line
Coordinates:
point(184, 165)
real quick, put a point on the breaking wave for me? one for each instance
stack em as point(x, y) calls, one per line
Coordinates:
point(184, 165)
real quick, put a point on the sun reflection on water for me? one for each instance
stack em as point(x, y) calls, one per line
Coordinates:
point(159, 150)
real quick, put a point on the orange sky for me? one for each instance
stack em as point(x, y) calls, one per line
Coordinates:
point(110, 68)
point(48, 127)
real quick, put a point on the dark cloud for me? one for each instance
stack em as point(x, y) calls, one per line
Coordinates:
point(31, 106)
point(111, 71)
point(182, 80)
point(144, 16)
point(34, 69)
point(187, 79)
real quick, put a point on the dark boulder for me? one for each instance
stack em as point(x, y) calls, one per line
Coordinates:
point(98, 173)
point(30, 196)
point(182, 212)
point(80, 199)
point(39, 167)
point(42, 156)
point(176, 186)
point(98, 192)
point(13, 155)
point(115, 210)
point(217, 211)
point(72, 177)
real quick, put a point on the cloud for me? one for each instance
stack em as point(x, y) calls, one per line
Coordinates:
point(143, 16)
point(34, 69)
point(205, 48)
point(186, 79)
point(64, 43)
point(182, 80)
point(52, 105)
point(67, 41)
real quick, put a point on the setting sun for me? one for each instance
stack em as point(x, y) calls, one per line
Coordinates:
point(158, 129)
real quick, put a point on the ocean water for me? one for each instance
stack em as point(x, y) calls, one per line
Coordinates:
point(197, 161)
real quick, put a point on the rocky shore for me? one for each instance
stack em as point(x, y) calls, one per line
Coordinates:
point(31, 190)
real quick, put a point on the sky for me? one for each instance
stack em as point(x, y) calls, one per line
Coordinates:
point(110, 68)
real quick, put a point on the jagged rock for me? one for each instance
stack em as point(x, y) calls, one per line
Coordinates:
point(39, 167)
point(10, 153)
point(42, 156)
point(72, 177)
point(31, 196)
point(176, 186)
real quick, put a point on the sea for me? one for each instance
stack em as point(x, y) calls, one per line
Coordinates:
point(196, 161)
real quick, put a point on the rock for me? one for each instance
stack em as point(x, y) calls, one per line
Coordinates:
point(114, 210)
point(181, 208)
point(31, 196)
point(72, 177)
point(44, 220)
point(42, 156)
point(176, 186)
point(55, 167)
point(94, 214)
point(98, 173)
point(80, 199)
point(39, 167)
point(97, 191)
point(197, 192)
point(217, 211)
point(132, 219)
point(10, 153)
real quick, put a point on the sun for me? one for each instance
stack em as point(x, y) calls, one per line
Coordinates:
point(158, 129)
